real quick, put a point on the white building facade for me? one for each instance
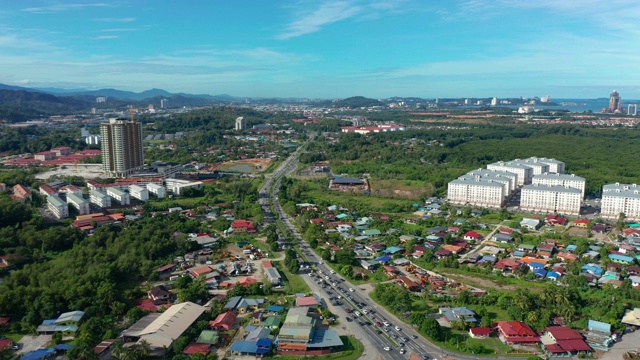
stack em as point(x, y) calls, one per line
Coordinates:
point(564, 180)
point(119, 196)
point(476, 191)
point(620, 198)
point(78, 202)
point(139, 192)
point(57, 207)
point(99, 198)
point(524, 172)
point(157, 190)
point(551, 199)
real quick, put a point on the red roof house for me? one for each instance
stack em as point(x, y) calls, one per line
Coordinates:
point(480, 332)
point(224, 321)
point(516, 332)
point(472, 235)
point(567, 341)
point(307, 301)
point(196, 348)
point(243, 226)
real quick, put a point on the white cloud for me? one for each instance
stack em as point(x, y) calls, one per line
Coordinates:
point(63, 7)
point(313, 21)
point(105, 37)
point(127, 19)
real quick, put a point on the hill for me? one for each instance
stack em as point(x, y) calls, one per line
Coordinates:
point(21, 105)
point(357, 102)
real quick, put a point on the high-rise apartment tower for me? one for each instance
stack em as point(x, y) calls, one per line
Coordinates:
point(122, 152)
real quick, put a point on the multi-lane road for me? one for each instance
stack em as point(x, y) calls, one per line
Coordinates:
point(395, 341)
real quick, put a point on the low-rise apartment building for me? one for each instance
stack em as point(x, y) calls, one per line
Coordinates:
point(119, 196)
point(57, 207)
point(79, 203)
point(139, 192)
point(157, 190)
point(99, 198)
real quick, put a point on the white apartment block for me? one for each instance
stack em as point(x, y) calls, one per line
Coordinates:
point(524, 172)
point(79, 203)
point(119, 196)
point(99, 198)
point(71, 189)
point(177, 185)
point(509, 179)
point(555, 166)
point(476, 192)
point(551, 199)
point(537, 166)
point(620, 198)
point(157, 190)
point(139, 192)
point(564, 180)
point(57, 207)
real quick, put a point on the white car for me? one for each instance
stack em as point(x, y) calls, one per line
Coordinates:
point(397, 328)
point(385, 323)
point(387, 348)
point(365, 312)
point(333, 272)
point(402, 351)
point(351, 289)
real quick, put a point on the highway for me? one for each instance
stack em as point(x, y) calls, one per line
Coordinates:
point(375, 338)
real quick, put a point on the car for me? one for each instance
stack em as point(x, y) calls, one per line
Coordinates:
point(405, 339)
point(402, 351)
point(333, 272)
point(358, 313)
point(379, 324)
point(387, 348)
point(414, 336)
point(15, 347)
point(348, 310)
point(401, 344)
point(397, 328)
point(351, 289)
point(386, 323)
point(326, 277)
point(348, 319)
point(361, 323)
point(424, 357)
point(394, 336)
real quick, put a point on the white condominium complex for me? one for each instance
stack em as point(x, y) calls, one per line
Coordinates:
point(524, 172)
point(555, 166)
point(565, 180)
point(510, 180)
point(476, 191)
point(620, 198)
point(551, 199)
point(79, 203)
point(57, 207)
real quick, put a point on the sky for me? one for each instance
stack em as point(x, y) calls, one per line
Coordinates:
point(326, 49)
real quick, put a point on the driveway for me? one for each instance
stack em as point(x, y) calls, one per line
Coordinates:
point(630, 341)
point(32, 343)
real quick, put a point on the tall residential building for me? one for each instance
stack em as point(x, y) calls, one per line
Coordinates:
point(164, 103)
point(551, 199)
point(241, 123)
point(614, 101)
point(494, 101)
point(122, 152)
point(620, 198)
point(509, 180)
point(476, 191)
point(524, 172)
point(564, 180)
point(632, 110)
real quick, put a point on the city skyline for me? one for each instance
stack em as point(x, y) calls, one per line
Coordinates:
point(329, 49)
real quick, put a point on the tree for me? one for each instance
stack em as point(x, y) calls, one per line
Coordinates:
point(347, 271)
point(345, 256)
point(432, 329)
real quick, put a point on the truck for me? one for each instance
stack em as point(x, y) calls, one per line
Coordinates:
point(247, 252)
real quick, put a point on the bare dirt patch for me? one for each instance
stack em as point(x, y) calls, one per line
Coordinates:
point(479, 282)
point(577, 231)
point(258, 164)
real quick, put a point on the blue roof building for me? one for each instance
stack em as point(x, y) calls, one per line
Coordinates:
point(392, 250)
point(383, 259)
point(592, 269)
point(275, 308)
point(621, 259)
point(540, 273)
point(571, 248)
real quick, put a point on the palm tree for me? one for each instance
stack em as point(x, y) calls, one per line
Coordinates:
point(144, 348)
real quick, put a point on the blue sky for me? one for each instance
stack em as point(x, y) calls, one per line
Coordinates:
point(327, 49)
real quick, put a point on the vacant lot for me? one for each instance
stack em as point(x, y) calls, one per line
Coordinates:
point(245, 165)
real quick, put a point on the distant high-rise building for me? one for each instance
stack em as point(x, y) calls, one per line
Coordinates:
point(614, 101)
point(545, 99)
point(122, 152)
point(494, 101)
point(241, 124)
point(466, 101)
point(164, 103)
point(632, 109)
point(101, 99)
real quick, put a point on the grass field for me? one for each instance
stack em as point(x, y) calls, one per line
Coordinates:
point(293, 283)
point(318, 193)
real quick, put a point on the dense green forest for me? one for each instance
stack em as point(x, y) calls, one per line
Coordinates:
point(34, 139)
point(437, 156)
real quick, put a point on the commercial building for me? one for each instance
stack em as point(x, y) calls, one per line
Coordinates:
point(157, 190)
point(139, 192)
point(79, 203)
point(299, 335)
point(564, 180)
point(99, 198)
point(620, 198)
point(241, 124)
point(551, 199)
point(122, 152)
point(57, 207)
point(119, 196)
point(476, 191)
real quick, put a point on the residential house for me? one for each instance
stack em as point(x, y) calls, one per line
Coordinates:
point(224, 321)
point(583, 223)
point(408, 283)
point(555, 219)
point(450, 315)
point(243, 226)
point(247, 305)
point(472, 236)
point(160, 295)
point(307, 301)
point(621, 259)
point(516, 333)
point(480, 332)
point(499, 237)
point(368, 265)
point(531, 224)
point(562, 341)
